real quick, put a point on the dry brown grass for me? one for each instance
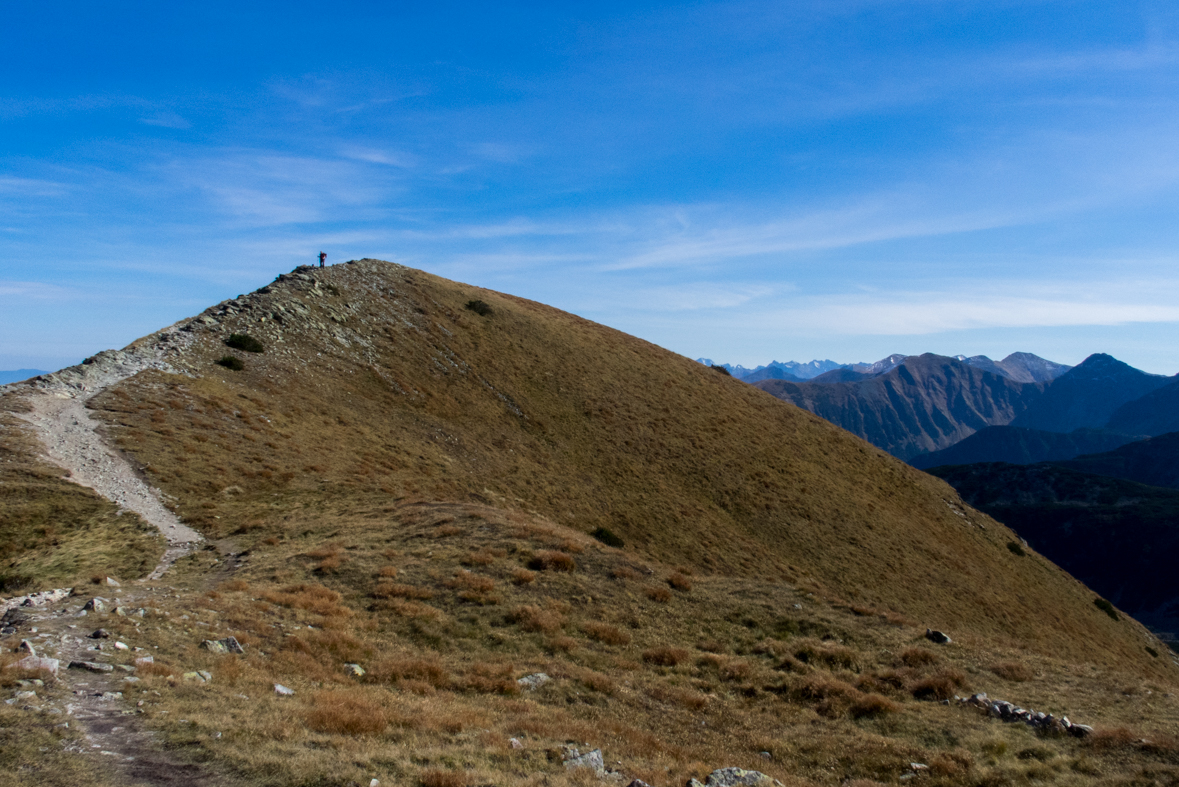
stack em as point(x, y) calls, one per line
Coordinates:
point(680, 581)
point(666, 656)
point(658, 594)
point(552, 560)
point(1014, 671)
point(408, 668)
point(942, 685)
point(530, 617)
point(437, 778)
point(522, 576)
point(873, 705)
point(345, 713)
point(605, 633)
point(402, 590)
point(918, 657)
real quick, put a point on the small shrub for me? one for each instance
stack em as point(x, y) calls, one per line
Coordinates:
point(387, 572)
point(1154, 653)
point(1016, 548)
point(522, 576)
point(608, 537)
point(397, 670)
point(659, 594)
point(444, 778)
point(873, 706)
point(625, 572)
point(665, 656)
point(479, 307)
point(605, 633)
point(399, 590)
point(1106, 607)
point(552, 560)
point(231, 362)
point(918, 657)
point(245, 342)
point(1014, 671)
point(533, 618)
point(721, 370)
point(940, 686)
point(680, 581)
point(491, 679)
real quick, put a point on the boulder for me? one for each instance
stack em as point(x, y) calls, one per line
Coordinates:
point(100, 634)
point(937, 637)
point(143, 661)
point(121, 646)
point(592, 760)
point(1080, 730)
point(731, 777)
point(91, 666)
point(222, 646)
point(533, 682)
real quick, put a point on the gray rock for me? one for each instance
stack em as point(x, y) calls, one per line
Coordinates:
point(282, 690)
point(592, 760)
point(533, 682)
point(1080, 730)
point(95, 604)
point(937, 637)
point(208, 676)
point(355, 670)
point(112, 582)
point(731, 777)
point(515, 743)
point(641, 783)
point(223, 646)
point(91, 666)
point(27, 647)
point(143, 661)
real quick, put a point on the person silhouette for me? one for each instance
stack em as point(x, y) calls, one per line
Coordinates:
point(322, 257)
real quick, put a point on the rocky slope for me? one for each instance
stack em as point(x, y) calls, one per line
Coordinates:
point(927, 403)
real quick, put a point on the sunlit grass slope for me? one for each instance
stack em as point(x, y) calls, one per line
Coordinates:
point(377, 383)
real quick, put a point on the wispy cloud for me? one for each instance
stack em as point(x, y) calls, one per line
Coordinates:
point(31, 187)
point(166, 119)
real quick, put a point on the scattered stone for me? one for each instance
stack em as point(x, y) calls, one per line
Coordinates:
point(121, 611)
point(110, 695)
point(195, 677)
point(282, 690)
point(355, 670)
point(121, 646)
point(515, 743)
point(533, 682)
point(918, 766)
point(375, 783)
point(95, 604)
point(100, 634)
point(638, 783)
point(125, 667)
point(731, 777)
point(937, 637)
point(91, 666)
point(208, 676)
point(223, 646)
point(592, 760)
point(1080, 730)
point(27, 647)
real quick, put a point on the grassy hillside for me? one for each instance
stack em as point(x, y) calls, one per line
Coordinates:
point(378, 383)
point(405, 478)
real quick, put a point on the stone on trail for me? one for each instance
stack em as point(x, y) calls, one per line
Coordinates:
point(937, 637)
point(121, 646)
point(95, 604)
point(111, 582)
point(282, 690)
point(27, 647)
point(143, 661)
point(91, 666)
point(100, 634)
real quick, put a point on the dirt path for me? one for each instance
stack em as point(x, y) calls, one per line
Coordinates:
point(102, 705)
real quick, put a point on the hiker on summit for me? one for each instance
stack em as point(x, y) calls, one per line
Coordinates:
point(322, 257)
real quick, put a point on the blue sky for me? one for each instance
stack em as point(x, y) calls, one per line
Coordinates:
point(742, 181)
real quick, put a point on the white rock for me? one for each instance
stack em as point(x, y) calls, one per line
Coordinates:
point(282, 690)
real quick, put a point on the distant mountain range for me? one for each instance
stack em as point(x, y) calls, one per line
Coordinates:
point(1021, 367)
point(16, 375)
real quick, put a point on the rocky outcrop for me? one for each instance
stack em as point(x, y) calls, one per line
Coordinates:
point(732, 777)
point(1009, 712)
